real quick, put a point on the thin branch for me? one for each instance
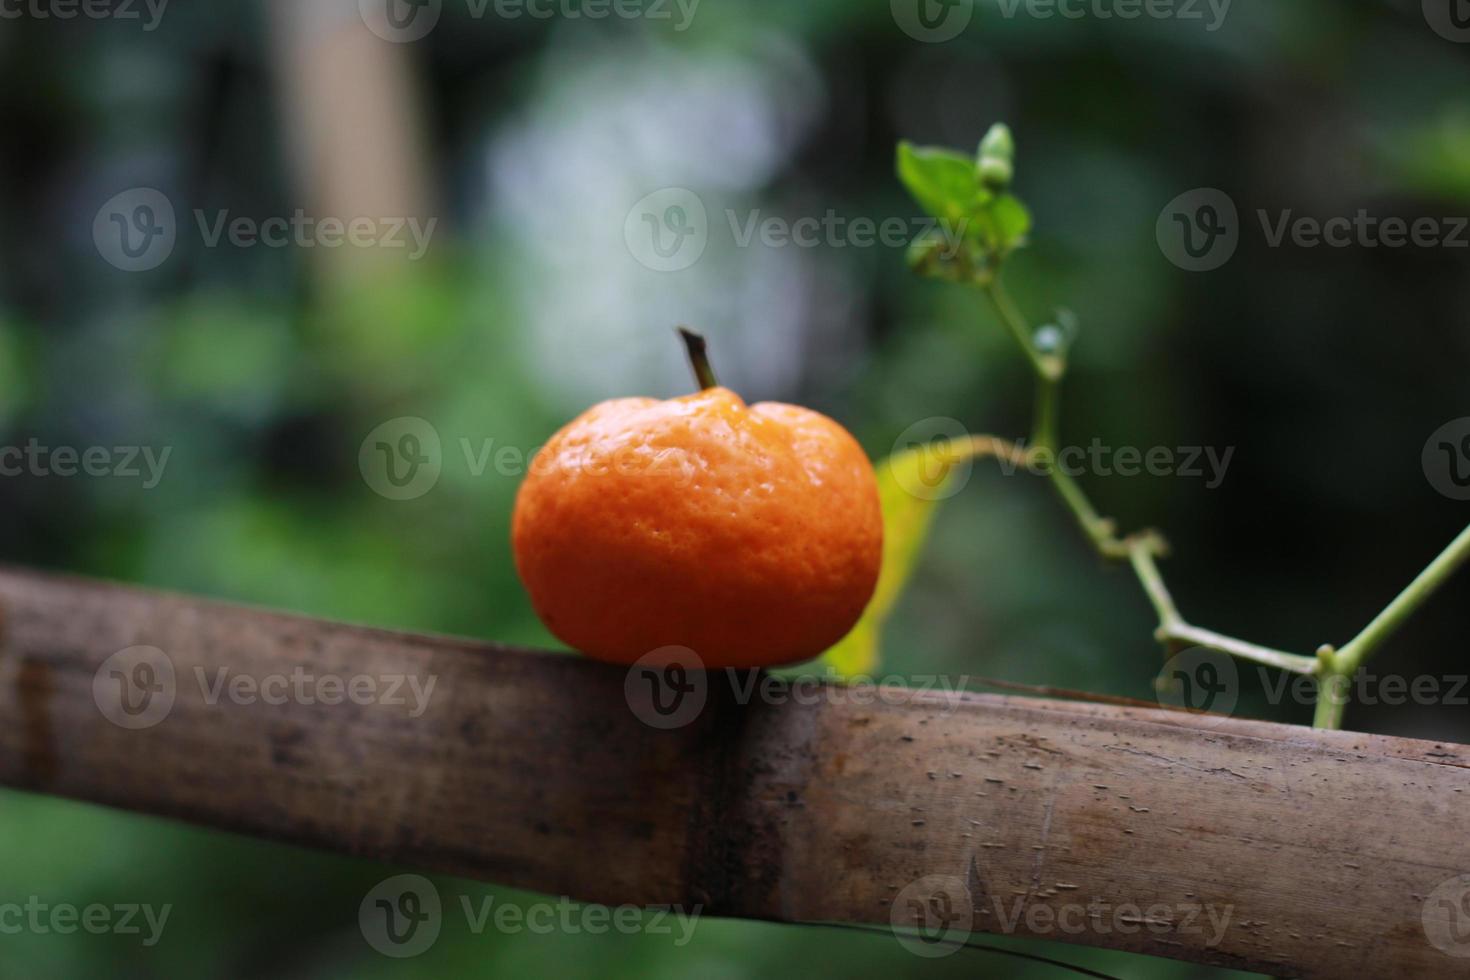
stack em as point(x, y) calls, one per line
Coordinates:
point(1280, 659)
point(1340, 666)
point(1153, 585)
point(1362, 646)
point(994, 447)
point(1174, 628)
point(1048, 366)
point(1331, 701)
point(1140, 550)
point(1334, 668)
point(1101, 531)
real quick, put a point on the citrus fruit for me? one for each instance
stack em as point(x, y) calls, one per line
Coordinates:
point(750, 534)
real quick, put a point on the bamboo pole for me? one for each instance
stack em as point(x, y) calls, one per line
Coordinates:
point(1244, 844)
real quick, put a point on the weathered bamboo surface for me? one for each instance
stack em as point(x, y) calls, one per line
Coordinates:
point(1258, 846)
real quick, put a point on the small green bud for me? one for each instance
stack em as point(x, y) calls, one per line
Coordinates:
point(998, 143)
point(995, 161)
point(994, 173)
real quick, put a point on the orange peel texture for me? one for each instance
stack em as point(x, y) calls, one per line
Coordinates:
point(750, 534)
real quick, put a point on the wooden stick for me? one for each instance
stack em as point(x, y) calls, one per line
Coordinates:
point(1244, 844)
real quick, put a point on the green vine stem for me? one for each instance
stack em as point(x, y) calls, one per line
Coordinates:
point(1338, 667)
point(948, 184)
point(1140, 550)
point(1333, 668)
point(1175, 631)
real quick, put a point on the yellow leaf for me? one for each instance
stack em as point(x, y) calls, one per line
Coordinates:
point(911, 484)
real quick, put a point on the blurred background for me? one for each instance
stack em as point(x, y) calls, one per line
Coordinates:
point(520, 146)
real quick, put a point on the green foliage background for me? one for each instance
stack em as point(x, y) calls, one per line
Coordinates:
point(1326, 369)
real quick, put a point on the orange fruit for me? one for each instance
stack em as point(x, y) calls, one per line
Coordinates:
point(750, 534)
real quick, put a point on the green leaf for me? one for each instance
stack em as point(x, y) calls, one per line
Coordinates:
point(1001, 225)
point(911, 484)
point(942, 181)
